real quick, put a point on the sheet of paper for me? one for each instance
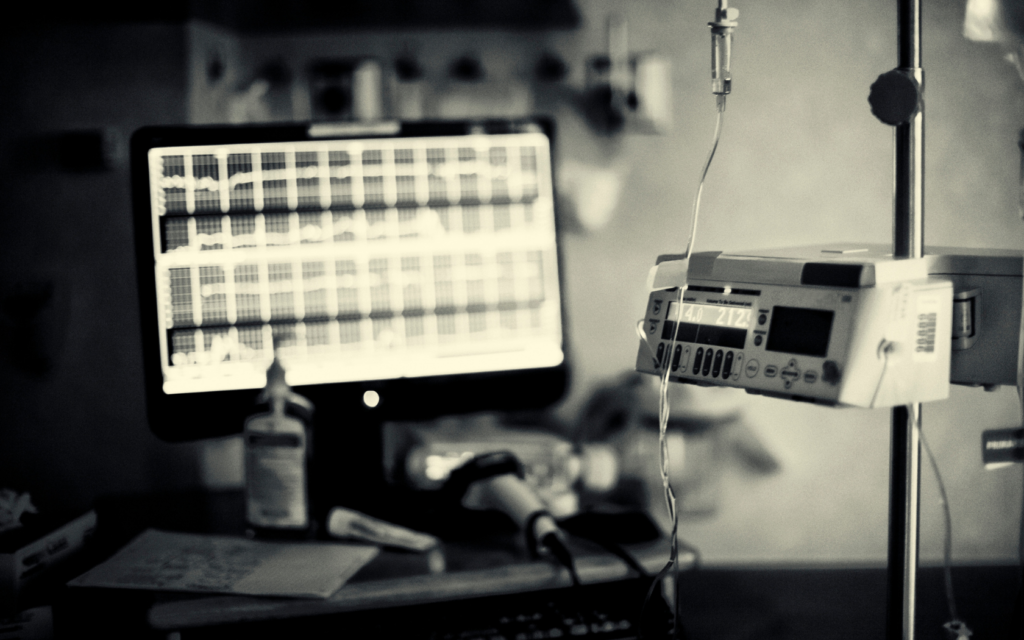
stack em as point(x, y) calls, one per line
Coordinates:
point(166, 561)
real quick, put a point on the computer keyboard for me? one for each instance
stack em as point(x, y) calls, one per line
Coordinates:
point(603, 611)
point(609, 611)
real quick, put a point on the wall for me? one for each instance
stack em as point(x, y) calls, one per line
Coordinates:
point(801, 161)
point(74, 427)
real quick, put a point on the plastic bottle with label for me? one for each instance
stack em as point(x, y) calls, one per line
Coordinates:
point(277, 454)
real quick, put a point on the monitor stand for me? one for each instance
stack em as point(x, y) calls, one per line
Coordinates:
point(347, 461)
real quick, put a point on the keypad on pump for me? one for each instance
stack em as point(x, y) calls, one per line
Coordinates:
point(725, 364)
point(789, 374)
point(717, 363)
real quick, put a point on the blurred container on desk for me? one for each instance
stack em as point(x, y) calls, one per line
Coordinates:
point(424, 455)
point(610, 457)
point(705, 433)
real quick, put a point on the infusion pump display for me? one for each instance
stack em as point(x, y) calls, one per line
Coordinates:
point(727, 326)
point(881, 344)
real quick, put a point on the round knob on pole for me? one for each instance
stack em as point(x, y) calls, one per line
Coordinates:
point(895, 97)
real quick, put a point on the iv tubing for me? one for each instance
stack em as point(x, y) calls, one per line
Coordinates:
point(703, 175)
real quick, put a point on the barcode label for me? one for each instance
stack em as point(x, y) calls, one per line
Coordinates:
point(925, 328)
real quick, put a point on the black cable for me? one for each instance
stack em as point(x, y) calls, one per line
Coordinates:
point(621, 553)
point(1016, 621)
point(561, 553)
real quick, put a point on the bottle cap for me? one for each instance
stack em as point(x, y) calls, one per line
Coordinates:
point(278, 394)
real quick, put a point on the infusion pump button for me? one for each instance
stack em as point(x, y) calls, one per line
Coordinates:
point(677, 354)
point(810, 377)
point(771, 371)
point(717, 366)
point(830, 372)
point(753, 366)
point(790, 374)
point(656, 307)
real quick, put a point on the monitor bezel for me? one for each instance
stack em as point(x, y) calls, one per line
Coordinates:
point(189, 417)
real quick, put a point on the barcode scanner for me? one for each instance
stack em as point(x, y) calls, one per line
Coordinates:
point(496, 481)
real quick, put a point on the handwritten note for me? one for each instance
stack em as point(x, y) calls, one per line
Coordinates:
point(161, 560)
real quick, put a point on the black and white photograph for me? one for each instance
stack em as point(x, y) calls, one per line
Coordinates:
point(512, 319)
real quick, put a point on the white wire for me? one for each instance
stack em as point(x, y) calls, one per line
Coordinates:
point(884, 348)
point(670, 503)
point(664, 409)
point(947, 548)
point(703, 175)
point(954, 624)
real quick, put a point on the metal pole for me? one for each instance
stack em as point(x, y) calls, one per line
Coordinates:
point(908, 214)
point(904, 508)
point(908, 242)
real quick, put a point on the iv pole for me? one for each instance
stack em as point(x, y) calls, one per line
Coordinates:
point(908, 242)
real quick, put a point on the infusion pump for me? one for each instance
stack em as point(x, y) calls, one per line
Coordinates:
point(835, 326)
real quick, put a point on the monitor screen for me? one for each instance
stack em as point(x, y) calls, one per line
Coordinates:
point(362, 258)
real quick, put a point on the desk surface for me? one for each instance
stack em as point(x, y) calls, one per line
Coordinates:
point(740, 603)
point(496, 565)
point(395, 579)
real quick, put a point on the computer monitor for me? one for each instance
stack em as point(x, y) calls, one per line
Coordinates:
point(418, 261)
